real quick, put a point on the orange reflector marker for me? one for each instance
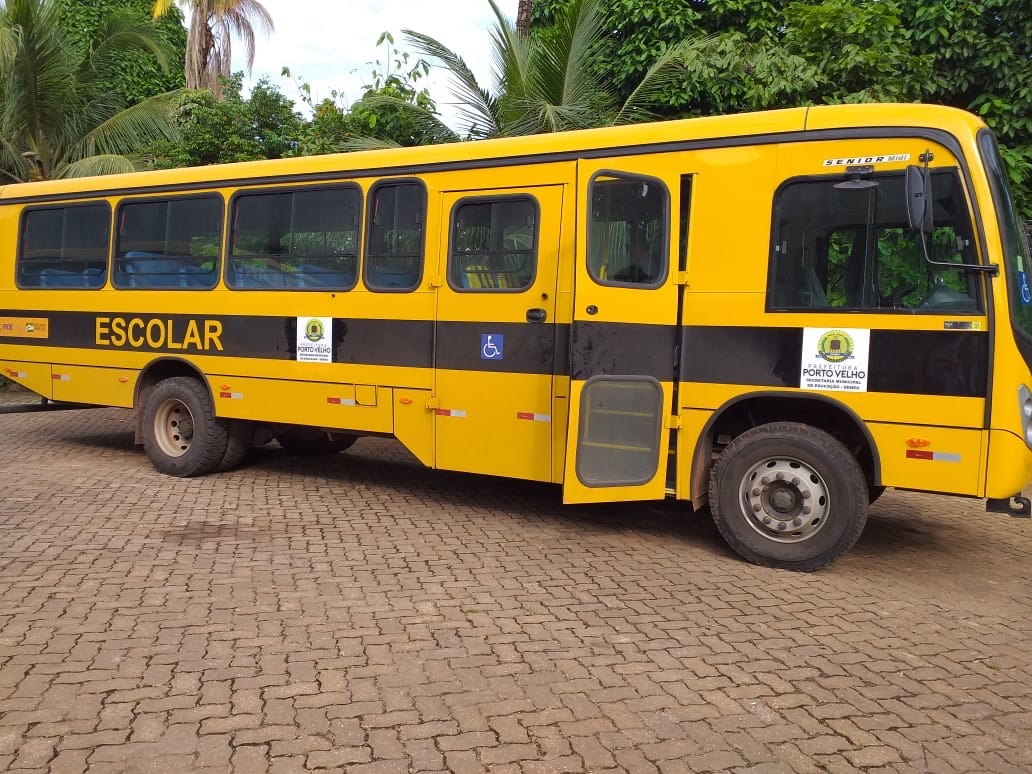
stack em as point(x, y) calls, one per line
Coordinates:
point(122, 380)
point(918, 443)
point(405, 401)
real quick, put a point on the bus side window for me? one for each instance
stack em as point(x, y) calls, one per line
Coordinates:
point(64, 247)
point(173, 243)
point(493, 244)
point(838, 247)
point(394, 249)
point(304, 239)
point(628, 232)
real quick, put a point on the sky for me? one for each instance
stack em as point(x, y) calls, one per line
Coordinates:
point(331, 44)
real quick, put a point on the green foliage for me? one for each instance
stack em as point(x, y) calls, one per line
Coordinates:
point(263, 126)
point(137, 75)
point(393, 110)
point(972, 54)
point(58, 117)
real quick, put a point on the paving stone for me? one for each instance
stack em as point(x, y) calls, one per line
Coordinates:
point(360, 613)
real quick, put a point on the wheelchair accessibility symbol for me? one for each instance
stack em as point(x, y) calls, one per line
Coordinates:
point(491, 346)
point(1026, 292)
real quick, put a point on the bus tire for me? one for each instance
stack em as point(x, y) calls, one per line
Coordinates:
point(181, 434)
point(241, 434)
point(313, 442)
point(789, 496)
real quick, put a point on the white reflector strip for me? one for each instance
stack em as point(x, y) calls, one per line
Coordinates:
point(532, 417)
point(340, 401)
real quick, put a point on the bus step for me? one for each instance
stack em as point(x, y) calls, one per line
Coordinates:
point(1019, 507)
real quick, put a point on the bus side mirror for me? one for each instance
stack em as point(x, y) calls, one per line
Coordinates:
point(919, 199)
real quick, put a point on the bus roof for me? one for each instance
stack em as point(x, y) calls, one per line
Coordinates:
point(402, 160)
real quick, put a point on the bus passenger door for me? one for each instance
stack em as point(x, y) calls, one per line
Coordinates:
point(495, 342)
point(624, 334)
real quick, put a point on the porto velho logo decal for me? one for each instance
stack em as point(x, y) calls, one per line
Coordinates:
point(314, 331)
point(835, 346)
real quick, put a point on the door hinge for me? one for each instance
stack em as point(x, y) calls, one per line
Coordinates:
point(435, 282)
point(681, 278)
point(672, 423)
point(433, 403)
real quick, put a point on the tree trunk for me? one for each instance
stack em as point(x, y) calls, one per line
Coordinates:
point(523, 18)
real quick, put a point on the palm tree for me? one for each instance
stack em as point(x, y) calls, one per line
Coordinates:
point(213, 23)
point(524, 12)
point(546, 82)
point(55, 118)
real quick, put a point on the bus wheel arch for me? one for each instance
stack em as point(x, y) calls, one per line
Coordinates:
point(154, 372)
point(740, 414)
point(176, 422)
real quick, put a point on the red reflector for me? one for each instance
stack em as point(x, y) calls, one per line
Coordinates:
point(915, 454)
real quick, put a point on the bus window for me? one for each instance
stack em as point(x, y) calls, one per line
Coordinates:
point(839, 247)
point(627, 232)
point(174, 243)
point(394, 251)
point(305, 239)
point(494, 244)
point(64, 247)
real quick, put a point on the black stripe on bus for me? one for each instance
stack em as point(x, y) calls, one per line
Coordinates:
point(952, 363)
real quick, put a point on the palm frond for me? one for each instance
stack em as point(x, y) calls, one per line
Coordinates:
point(161, 7)
point(668, 69)
point(511, 55)
point(428, 122)
point(119, 32)
point(147, 122)
point(106, 164)
point(476, 107)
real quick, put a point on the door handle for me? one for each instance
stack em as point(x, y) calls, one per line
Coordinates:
point(536, 315)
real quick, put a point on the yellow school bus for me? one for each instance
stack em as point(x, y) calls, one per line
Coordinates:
point(778, 313)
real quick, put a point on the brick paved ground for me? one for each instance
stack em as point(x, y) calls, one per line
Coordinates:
point(362, 614)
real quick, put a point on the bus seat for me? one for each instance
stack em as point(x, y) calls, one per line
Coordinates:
point(151, 270)
point(60, 278)
point(191, 276)
point(93, 277)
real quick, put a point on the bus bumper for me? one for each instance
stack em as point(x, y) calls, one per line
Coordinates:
point(1009, 468)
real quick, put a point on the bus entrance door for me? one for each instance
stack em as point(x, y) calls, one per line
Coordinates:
point(496, 335)
point(624, 334)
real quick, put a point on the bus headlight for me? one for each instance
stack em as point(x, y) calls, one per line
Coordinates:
point(1025, 403)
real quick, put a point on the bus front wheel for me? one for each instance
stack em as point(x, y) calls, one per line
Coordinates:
point(181, 434)
point(788, 495)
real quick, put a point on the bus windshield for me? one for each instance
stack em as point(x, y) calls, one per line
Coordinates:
point(1015, 248)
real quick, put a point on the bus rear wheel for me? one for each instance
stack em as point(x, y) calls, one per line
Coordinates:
point(181, 434)
point(313, 442)
point(789, 496)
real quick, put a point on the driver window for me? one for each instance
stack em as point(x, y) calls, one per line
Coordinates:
point(848, 247)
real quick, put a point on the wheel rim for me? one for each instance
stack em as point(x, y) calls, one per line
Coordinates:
point(173, 428)
point(784, 499)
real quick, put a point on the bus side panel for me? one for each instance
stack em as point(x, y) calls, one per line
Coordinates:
point(32, 376)
point(414, 423)
point(85, 384)
point(933, 459)
point(362, 408)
